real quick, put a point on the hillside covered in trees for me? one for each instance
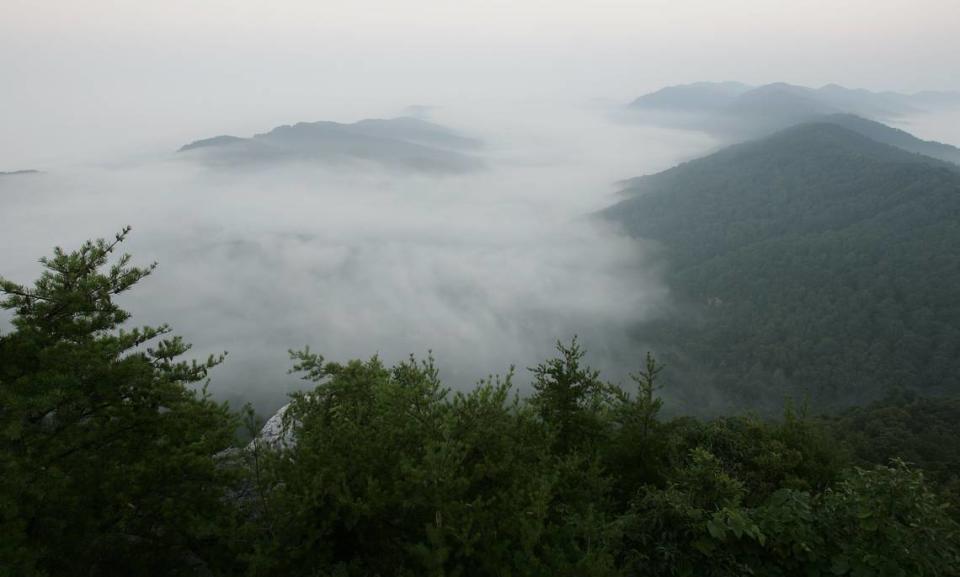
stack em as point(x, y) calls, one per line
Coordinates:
point(816, 263)
point(114, 462)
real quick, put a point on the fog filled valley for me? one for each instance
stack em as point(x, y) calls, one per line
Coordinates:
point(486, 267)
point(608, 289)
point(485, 262)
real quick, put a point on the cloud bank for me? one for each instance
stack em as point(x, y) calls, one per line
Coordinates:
point(486, 269)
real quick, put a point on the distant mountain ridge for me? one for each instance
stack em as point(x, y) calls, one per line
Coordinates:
point(740, 111)
point(696, 96)
point(816, 263)
point(895, 137)
point(712, 95)
point(19, 172)
point(402, 142)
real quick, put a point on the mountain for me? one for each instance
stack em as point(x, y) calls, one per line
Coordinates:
point(738, 112)
point(895, 137)
point(222, 140)
point(697, 96)
point(780, 103)
point(873, 104)
point(407, 143)
point(414, 130)
point(816, 263)
point(18, 172)
point(935, 98)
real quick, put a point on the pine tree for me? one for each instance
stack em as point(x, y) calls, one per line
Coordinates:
point(569, 397)
point(106, 449)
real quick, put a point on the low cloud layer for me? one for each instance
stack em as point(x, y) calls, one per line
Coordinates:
point(485, 269)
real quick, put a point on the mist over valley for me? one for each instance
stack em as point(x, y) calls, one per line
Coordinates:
point(405, 236)
point(356, 254)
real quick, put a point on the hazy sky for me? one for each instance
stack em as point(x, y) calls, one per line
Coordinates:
point(81, 79)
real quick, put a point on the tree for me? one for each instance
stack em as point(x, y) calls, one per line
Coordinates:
point(637, 446)
point(647, 405)
point(107, 452)
point(570, 398)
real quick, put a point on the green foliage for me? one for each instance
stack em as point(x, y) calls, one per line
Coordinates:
point(638, 442)
point(816, 263)
point(570, 398)
point(920, 431)
point(881, 522)
point(106, 455)
point(112, 463)
point(391, 474)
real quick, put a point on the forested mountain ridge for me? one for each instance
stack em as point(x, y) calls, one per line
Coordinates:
point(815, 262)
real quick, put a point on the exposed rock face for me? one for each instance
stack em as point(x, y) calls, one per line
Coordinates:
point(273, 435)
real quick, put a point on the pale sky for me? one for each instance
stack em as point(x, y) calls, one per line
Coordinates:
point(88, 78)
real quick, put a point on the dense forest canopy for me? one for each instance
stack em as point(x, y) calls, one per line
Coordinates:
point(816, 263)
point(115, 463)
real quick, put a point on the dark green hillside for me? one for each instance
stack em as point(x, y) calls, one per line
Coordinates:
point(922, 431)
point(815, 262)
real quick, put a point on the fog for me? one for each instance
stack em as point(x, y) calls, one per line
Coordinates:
point(943, 126)
point(104, 77)
point(487, 269)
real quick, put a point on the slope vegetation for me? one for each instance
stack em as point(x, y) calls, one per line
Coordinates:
point(816, 262)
